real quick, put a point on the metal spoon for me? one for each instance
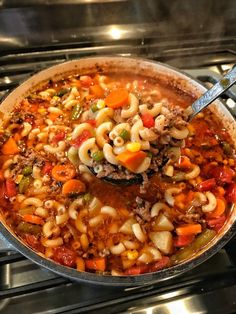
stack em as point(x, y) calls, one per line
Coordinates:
point(201, 103)
point(213, 93)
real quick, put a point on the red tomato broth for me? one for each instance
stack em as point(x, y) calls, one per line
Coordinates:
point(202, 148)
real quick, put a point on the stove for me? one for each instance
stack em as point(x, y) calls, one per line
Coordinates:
point(50, 32)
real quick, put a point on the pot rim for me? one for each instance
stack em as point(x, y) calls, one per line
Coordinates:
point(147, 278)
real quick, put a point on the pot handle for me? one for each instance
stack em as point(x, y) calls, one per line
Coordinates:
point(5, 246)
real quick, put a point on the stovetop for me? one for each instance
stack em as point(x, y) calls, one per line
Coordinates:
point(209, 288)
point(195, 36)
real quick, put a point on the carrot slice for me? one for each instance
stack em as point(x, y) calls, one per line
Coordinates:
point(73, 186)
point(184, 162)
point(97, 91)
point(33, 219)
point(131, 160)
point(63, 173)
point(117, 98)
point(98, 263)
point(219, 210)
point(10, 147)
point(189, 229)
point(53, 116)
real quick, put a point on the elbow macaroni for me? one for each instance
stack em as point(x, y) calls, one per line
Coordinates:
point(133, 107)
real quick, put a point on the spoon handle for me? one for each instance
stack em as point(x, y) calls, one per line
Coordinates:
point(219, 88)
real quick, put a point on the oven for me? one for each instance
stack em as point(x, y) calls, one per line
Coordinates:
point(195, 36)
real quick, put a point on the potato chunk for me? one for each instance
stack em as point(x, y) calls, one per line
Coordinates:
point(163, 224)
point(162, 240)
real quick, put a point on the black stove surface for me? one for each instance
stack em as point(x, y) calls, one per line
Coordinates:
point(196, 36)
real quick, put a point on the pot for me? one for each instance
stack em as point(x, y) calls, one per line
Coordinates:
point(152, 69)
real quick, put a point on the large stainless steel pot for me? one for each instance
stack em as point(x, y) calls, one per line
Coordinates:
point(152, 69)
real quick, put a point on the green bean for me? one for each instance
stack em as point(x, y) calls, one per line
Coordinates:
point(87, 197)
point(62, 92)
point(187, 252)
point(28, 228)
point(27, 170)
point(226, 148)
point(205, 237)
point(94, 107)
point(76, 112)
point(125, 135)
point(24, 184)
point(98, 155)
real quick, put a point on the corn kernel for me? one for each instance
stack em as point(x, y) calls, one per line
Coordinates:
point(18, 178)
point(101, 104)
point(132, 255)
point(56, 98)
point(133, 147)
point(191, 129)
point(41, 110)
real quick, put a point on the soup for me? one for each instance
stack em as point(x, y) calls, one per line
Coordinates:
point(118, 126)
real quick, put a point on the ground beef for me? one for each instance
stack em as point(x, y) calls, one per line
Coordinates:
point(114, 172)
point(17, 118)
point(142, 209)
point(175, 116)
point(35, 99)
point(31, 158)
point(191, 218)
point(145, 184)
point(108, 169)
point(193, 215)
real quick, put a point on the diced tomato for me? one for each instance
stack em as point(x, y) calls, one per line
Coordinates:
point(47, 168)
point(230, 193)
point(136, 270)
point(65, 256)
point(216, 223)
point(148, 120)
point(33, 242)
point(206, 185)
point(58, 137)
point(10, 188)
point(221, 174)
point(92, 122)
point(162, 263)
point(81, 138)
point(86, 80)
point(183, 240)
